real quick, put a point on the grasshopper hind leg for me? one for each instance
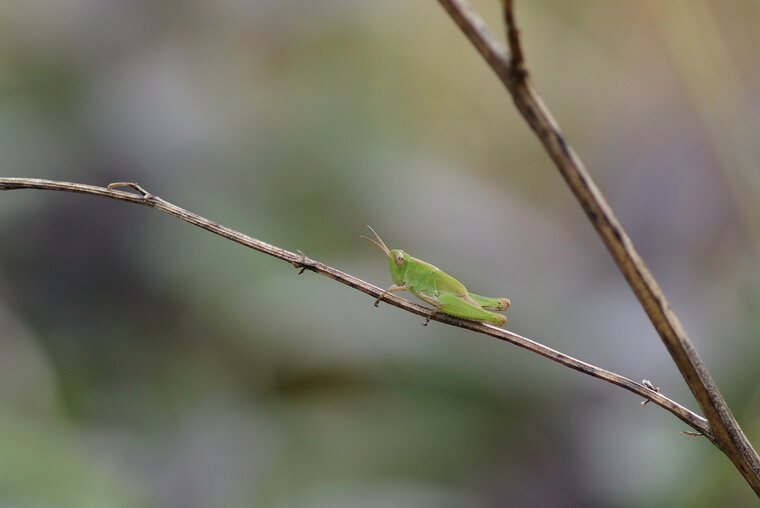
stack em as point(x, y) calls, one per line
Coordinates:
point(460, 307)
point(489, 303)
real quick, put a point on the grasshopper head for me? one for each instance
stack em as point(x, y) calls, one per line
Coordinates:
point(397, 259)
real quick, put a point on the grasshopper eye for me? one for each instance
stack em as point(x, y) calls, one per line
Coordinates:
point(398, 258)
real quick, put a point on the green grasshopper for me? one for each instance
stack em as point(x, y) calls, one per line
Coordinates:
point(431, 284)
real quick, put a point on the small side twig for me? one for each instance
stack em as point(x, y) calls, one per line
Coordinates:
point(517, 59)
point(647, 383)
point(302, 263)
point(133, 185)
point(299, 260)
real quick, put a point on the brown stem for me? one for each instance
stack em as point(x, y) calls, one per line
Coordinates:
point(729, 437)
point(299, 260)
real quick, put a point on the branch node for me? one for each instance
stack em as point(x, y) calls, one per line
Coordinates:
point(302, 264)
point(145, 194)
point(648, 384)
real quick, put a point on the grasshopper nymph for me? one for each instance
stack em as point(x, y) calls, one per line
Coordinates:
point(431, 284)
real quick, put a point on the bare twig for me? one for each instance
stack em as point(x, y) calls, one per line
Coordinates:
point(517, 60)
point(729, 437)
point(300, 261)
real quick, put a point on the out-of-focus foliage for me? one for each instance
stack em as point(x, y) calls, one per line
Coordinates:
point(147, 363)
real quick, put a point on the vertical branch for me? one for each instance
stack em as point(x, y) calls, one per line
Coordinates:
point(514, 75)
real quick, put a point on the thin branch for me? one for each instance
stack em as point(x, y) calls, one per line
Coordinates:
point(299, 260)
point(517, 60)
point(729, 437)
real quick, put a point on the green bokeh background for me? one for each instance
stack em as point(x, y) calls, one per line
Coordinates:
point(144, 362)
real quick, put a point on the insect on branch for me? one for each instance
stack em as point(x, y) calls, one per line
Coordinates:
point(299, 260)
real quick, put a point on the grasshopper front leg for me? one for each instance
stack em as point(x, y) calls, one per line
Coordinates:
point(390, 290)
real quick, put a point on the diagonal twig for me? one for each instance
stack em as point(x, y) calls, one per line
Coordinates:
point(510, 67)
point(300, 261)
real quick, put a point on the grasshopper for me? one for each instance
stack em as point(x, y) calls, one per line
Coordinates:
point(430, 284)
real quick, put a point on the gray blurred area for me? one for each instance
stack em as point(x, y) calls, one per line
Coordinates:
point(147, 363)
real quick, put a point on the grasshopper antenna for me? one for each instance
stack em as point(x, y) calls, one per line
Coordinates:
point(378, 241)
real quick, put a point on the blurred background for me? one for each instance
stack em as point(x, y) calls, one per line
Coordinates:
point(147, 363)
